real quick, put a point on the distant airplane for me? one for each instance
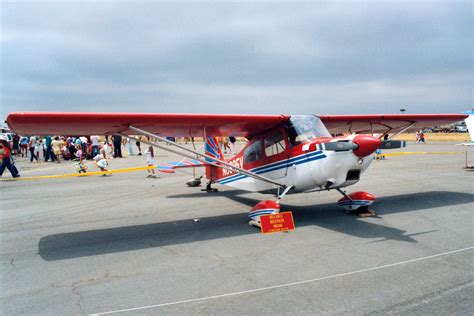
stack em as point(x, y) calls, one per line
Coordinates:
point(284, 154)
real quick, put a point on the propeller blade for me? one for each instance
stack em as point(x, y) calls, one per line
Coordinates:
point(392, 144)
point(340, 146)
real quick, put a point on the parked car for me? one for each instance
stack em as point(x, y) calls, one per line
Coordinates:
point(8, 137)
point(460, 128)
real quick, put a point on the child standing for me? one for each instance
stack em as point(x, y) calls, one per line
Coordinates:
point(78, 152)
point(150, 162)
point(38, 147)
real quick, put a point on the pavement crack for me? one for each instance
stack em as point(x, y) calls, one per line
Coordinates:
point(404, 306)
point(79, 297)
point(12, 265)
point(170, 250)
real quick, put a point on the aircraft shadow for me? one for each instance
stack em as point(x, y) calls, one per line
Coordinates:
point(328, 216)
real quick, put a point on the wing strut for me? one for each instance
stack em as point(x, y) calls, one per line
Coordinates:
point(399, 132)
point(201, 157)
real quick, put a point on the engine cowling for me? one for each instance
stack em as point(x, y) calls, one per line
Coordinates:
point(366, 145)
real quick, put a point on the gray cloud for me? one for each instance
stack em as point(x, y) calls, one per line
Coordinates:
point(322, 57)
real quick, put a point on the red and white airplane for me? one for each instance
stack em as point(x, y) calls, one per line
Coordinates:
point(284, 154)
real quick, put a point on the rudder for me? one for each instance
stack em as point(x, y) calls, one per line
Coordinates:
point(213, 149)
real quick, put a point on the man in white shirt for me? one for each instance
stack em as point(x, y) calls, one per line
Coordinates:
point(95, 145)
point(32, 144)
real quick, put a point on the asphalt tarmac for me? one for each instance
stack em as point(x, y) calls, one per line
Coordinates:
point(128, 244)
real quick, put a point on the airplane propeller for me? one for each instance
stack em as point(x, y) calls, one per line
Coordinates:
point(392, 144)
point(362, 145)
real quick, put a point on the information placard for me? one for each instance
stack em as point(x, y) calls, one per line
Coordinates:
point(273, 223)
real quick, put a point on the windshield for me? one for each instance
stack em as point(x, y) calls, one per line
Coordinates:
point(305, 127)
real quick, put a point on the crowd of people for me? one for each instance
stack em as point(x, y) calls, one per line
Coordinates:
point(58, 148)
point(81, 148)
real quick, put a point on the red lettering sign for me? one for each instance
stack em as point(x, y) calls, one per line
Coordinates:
point(273, 223)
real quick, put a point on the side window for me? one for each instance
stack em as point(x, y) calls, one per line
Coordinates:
point(253, 152)
point(274, 144)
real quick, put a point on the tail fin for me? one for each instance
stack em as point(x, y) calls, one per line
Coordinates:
point(470, 123)
point(213, 149)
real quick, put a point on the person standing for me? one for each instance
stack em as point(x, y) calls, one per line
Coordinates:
point(117, 140)
point(78, 153)
point(77, 141)
point(16, 145)
point(70, 146)
point(24, 146)
point(232, 141)
point(7, 160)
point(32, 145)
point(95, 145)
point(47, 142)
point(38, 148)
point(150, 162)
point(422, 137)
point(225, 144)
point(130, 147)
point(57, 145)
point(138, 146)
point(84, 142)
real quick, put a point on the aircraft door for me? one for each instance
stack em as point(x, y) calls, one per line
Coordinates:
point(276, 154)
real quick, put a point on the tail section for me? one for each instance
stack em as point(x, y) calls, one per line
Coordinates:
point(213, 149)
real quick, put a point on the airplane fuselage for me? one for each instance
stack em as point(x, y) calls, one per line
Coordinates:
point(305, 162)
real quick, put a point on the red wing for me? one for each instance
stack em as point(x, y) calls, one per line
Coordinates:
point(178, 125)
point(377, 123)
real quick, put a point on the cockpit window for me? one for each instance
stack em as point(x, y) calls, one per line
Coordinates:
point(274, 144)
point(305, 127)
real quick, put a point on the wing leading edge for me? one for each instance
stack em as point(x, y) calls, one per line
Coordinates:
point(186, 125)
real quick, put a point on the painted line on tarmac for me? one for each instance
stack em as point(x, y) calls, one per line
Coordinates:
point(286, 284)
point(423, 153)
point(72, 175)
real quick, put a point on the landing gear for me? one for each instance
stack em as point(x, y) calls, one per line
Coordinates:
point(363, 211)
point(262, 208)
point(209, 188)
point(266, 207)
point(357, 203)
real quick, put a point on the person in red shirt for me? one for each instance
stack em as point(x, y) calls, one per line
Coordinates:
point(6, 159)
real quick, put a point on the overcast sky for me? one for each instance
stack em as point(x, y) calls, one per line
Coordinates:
point(316, 57)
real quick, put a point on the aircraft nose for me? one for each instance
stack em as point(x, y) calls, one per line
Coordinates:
point(366, 145)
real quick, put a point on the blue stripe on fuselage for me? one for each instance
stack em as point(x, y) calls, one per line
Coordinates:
point(276, 166)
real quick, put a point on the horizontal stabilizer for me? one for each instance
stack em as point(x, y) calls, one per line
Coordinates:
point(392, 144)
point(186, 163)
